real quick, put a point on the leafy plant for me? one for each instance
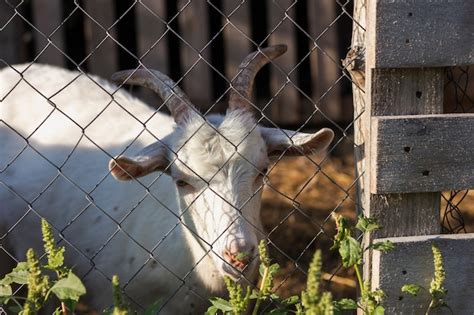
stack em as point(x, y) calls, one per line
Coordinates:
point(239, 301)
point(436, 290)
point(66, 286)
point(313, 301)
point(351, 251)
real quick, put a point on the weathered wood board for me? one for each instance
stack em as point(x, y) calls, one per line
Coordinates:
point(424, 153)
point(47, 17)
point(325, 61)
point(196, 72)
point(424, 33)
point(412, 262)
point(282, 31)
point(397, 92)
point(103, 59)
point(9, 30)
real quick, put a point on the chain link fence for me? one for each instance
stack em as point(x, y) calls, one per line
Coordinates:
point(457, 206)
point(199, 44)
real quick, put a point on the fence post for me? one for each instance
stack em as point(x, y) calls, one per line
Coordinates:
point(388, 92)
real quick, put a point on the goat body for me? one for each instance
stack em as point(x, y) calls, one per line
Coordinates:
point(190, 203)
point(59, 171)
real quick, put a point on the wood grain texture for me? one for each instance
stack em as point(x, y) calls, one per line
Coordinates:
point(10, 28)
point(286, 107)
point(103, 60)
point(194, 25)
point(152, 45)
point(237, 34)
point(325, 61)
point(47, 15)
point(423, 153)
point(412, 262)
point(404, 92)
point(424, 33)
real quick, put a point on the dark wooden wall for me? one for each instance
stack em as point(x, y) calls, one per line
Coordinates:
point(196, 42)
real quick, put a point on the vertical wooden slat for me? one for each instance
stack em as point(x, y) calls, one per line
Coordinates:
point(286, 107)
point(10, 39)
point(391, 92)
point(47, 15)
point(237, 46)
point(325, 58)
point(152, 48)
point(400, 92)
point(195, 32)
point(104, 60)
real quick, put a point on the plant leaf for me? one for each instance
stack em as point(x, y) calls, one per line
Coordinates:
point(69, 288)
point(221, 304)
point(412, 289)
point(5, 290)
point(343, 231)
point(346, 304)
point(19, 275)
point(153, 308)
point(291, 300)
point(366, 225)
point(350, 251)
point(383, 246)
point(15, 309)
point(379, 310)
point(273, 269)
point(212, 310)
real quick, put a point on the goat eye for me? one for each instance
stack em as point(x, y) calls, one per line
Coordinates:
point(181, 183)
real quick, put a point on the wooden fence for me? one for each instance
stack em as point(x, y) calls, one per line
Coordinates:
point(194, 41)
point(407, 149)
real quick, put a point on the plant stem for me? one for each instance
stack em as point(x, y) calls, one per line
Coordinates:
point(63, 308)
point(262, 285)
point(429, 308)
point(359, 279)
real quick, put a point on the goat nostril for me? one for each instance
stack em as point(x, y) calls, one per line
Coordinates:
point(228, 256)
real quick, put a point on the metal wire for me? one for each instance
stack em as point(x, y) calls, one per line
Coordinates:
point(318, 228)
point(459, 98)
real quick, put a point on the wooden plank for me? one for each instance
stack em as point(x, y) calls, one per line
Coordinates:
point(394, 92)
point(236, 37)
point(422, 153)
point(286, 107)
point(47, 17)
point(424, 33)
point(103, 60)
point(325, 60)
point(10, 41)
point(194, 25)
point(152, 46)
point(236, 34)
point(412, 262)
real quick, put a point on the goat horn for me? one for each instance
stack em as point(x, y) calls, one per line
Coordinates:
point(242, 84)
point(177, 102)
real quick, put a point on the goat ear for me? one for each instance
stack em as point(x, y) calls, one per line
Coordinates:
point(149, 159)
point(295, 143)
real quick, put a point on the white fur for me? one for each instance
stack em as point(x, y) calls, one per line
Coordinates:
point(59, 129)
point(85, 203)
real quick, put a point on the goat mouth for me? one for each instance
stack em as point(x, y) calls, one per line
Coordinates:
point(232, 272)
point(237, 274)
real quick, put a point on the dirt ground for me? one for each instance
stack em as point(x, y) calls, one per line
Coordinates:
point(297, 211)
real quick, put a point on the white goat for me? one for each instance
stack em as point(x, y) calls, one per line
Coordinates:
point(171, 235)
